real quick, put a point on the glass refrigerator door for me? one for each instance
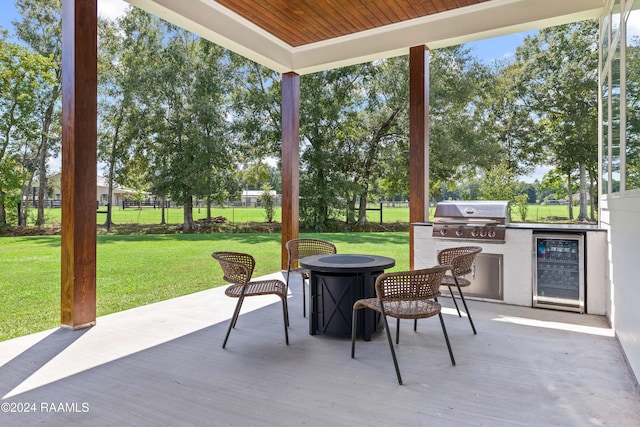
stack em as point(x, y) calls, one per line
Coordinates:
point(559, 281)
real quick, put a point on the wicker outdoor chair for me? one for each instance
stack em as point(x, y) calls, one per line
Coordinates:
point(300, 248)
point(237, 269)
point(405, 295)
point(461, 261)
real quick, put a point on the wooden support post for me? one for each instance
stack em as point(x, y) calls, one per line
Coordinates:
point(79, 142)
point(290, 161)
point(418, 140)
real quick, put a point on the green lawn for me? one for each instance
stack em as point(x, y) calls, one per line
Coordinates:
point(239, 215)
point(142, 269)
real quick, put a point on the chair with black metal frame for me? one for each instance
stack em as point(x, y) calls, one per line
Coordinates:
point(405, 295)
point(304, 247)
point(461, 260)
point(237, 269)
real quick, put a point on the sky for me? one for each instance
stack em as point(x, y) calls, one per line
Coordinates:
point(488, 51)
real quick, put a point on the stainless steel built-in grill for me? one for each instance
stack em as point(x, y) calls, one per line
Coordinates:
point(479, 220)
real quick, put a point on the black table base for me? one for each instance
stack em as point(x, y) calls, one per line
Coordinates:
point(332, 298)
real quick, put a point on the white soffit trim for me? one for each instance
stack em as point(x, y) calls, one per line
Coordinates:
point(489, 19)
point(213, 22)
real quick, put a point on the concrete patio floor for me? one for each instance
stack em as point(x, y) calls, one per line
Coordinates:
point(163, 364)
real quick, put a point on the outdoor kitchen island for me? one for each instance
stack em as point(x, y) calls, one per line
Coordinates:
point(513, 272)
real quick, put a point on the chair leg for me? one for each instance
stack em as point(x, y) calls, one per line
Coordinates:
point(286, 303)
point(398, 331)
point(285, 316)
point(415, 325)
point(304, 298)
point(354, 325)
point(234, 318)
point(446, 338)
point(287, 291)
point(454, 299)
point(240, 301)
point(393, 351)
point(466, 308)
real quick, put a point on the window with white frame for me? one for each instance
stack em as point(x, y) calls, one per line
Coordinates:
point(620, 97)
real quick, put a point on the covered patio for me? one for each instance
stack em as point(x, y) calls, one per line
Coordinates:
point(163, 364)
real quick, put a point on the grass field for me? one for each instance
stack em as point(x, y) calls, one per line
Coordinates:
point(142, 269)
point(239, 215)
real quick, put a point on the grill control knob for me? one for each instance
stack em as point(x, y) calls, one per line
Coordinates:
point(443, 232)
point(492, 233)
point(483, 233)
point(459, 232)
point(474, 232)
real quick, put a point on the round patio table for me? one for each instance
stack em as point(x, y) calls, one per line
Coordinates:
point(337, 281)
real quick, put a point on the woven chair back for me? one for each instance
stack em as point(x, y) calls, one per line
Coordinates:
point(410, 285)
point(461, 258)
point(300, 248)
point(237, 267)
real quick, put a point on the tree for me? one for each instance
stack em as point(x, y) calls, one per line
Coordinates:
point(126, 87)
point(268, 202)
point(498, 183)
point(458, 143)
point(559, 84)
point(41, 29)
point(22, 76)
point(9, 189)
point(507, 120)
point(328, 100)
point(189, 130)
point(554, 184)
point(255, 103)
point(384, 123)
point(164, 118)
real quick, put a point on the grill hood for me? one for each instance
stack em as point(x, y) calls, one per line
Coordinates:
point(476, 212)
point(479, 220)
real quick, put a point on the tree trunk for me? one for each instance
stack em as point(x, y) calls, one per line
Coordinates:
point(3, 212)
point(42, 188)
point(24, 194)
point(582, 215)
point(43, 154)
point(109, 198)
point(362, 209)
point(570, 195)
point(188, 225)
point(351, 206)
point(163, 220)
point(208, 208)
point(112, 166)
point(23, 212)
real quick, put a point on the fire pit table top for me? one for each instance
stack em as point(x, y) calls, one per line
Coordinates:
point(346, 262)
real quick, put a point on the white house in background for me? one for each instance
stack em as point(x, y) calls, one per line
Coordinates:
point(251, 198)
point(119, 193)
point(102, 191)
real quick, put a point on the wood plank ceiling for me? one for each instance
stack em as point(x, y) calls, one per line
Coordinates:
point(301, 22)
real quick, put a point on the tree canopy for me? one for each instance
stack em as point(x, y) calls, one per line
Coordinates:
point(184, 119)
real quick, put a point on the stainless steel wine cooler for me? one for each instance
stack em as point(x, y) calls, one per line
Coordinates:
point(558, 277)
